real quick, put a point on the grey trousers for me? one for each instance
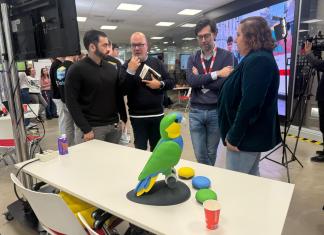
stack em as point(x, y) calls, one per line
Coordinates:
point(108, 133)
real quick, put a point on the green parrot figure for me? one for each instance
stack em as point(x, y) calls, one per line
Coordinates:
point(165, 155)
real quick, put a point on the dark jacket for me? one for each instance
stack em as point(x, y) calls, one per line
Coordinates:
point(248, 113)
point(54, 66)
point(318, 65)
point(207, 100)
point(143, 100)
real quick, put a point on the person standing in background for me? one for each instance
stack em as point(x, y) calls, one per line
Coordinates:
point(56, 63)
point(207, 70)
point(67, 120)
point(35, 91)
point(47, 94)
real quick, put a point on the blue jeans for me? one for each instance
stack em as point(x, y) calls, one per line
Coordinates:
point(205, 134)
point(25, 99)
point(245, 162)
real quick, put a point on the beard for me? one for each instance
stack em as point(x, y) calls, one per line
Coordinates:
point(99, 53)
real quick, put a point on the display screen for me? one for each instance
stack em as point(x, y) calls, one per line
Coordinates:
point(183, 61)
point(227, 34)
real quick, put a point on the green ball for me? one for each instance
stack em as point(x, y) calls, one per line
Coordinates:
point(205, 194)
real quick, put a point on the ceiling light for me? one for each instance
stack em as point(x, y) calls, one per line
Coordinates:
point(157, 38)
point(189, 12)
point(311, 21)
point(128, 7)
point(108, 27)
point(303, 30)
point(188, 25)
point(165, 42)
point(188, 39)
point(81, 19)
point(165, 24)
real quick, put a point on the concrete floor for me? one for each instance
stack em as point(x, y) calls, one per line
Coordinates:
point(305, 215)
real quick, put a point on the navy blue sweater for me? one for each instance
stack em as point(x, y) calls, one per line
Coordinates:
point(209, 99)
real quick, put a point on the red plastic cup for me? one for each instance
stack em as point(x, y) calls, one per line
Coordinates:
point(212, 211)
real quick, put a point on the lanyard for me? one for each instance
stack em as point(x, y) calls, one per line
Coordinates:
point(211, 64)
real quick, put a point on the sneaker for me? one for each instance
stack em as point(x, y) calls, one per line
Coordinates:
point(317, 159)
point(55, 116)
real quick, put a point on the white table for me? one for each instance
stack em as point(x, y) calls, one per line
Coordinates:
point(102, 173)
point(179, 89)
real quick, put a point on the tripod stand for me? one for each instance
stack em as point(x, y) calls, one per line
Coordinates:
point(284, 160)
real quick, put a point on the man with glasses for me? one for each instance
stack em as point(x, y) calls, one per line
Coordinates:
point(206, 72)
point(92, 86)
point(145, 98)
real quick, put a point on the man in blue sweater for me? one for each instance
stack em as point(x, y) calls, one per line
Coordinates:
point(206, 72)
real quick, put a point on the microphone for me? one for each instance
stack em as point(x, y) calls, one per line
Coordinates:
point(276, 18)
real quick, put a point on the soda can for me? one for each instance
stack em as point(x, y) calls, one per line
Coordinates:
point(62, 144)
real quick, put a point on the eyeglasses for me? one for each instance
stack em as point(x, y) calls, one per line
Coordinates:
point(206, 36)
point(139, 45)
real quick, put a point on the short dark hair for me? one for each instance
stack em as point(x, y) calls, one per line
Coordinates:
point(203, 23)
point(229, 39)
point(257, 33)
point(92, 36)
point(114, 46)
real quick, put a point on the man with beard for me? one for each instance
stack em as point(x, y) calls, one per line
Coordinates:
point(91, 88)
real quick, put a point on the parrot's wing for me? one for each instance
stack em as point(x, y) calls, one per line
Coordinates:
point(165, 156)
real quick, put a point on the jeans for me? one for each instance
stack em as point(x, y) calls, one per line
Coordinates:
point(146, 129)
point(245, 162)
point(25, 99)
point(205, 134)
point(51, 107)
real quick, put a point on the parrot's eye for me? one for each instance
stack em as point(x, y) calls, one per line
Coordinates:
point(176, 121)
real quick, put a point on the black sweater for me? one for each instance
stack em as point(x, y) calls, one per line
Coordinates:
point(54, 66)
point(143, 100)
point(60, 77)
point(92, 94)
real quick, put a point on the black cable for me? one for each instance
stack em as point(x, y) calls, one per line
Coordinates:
point(15, 189)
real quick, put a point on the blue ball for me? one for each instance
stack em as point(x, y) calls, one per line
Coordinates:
point(200, 182)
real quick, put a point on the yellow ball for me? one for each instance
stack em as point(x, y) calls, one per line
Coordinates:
point(186, 172)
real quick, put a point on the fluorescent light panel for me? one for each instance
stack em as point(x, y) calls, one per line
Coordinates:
point(157, 38)
point(188, 39)
point(189, 12)
point(303, 30)
point(188, 25)
point(129, 7)
point(311, 21)
point(165, 24)
point(81, 19)
point(108, 27)
point(165, 42)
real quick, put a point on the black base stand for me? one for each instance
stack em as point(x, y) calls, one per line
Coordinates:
point(21, 212)
point(162, 195)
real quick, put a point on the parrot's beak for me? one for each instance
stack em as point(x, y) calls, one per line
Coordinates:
point(173, 130)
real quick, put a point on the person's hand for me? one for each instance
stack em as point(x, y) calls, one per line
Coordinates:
point(88, 136)
point(133, 64)
point(195, 70)
point(153, 84)
point(224, 72)
point(231, 147)
point(308, 47)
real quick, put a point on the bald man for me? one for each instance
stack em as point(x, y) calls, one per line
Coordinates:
point(145, 99)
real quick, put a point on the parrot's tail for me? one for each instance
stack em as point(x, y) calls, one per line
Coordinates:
point(145, 185)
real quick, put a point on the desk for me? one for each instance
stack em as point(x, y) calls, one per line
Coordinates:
point(101, 173)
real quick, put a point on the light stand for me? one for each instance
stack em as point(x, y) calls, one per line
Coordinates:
point(284, 160)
